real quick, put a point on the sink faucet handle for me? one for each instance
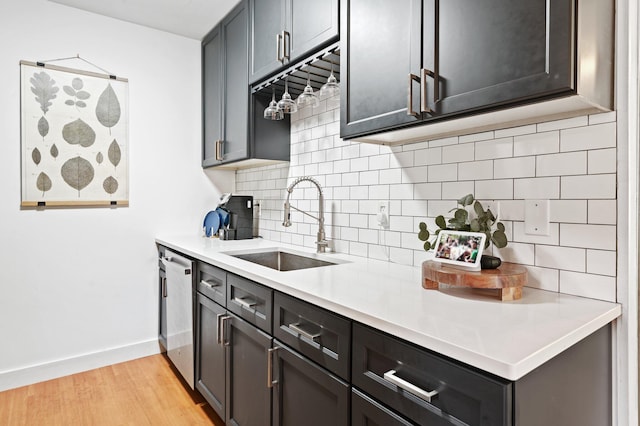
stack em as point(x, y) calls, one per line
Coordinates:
point(287, 214)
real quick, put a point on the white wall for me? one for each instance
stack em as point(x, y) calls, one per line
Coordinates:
point(78, 287)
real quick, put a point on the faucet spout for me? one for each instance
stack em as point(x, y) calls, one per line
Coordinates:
point(321, 243)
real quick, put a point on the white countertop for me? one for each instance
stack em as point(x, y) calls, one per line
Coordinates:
point(508, 339)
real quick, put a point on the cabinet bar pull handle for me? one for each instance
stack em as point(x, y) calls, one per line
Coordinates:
point(286, 38)
point(390, 376)
point(246, 303)
point(225, 340)
point(270, 381)
point(423, 96)
point(296, 327)
point(219, 328)
point(219, 156)
point(279, 55)
point(210, 284)
point(410, 110)
point(164, 287)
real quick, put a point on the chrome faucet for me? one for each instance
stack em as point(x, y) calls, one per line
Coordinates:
point(322, 242)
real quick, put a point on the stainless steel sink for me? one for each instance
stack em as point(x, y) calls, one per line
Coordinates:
point(282, 260)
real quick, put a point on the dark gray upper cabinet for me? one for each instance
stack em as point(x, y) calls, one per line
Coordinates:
point(283, 31)
point(233, 127)
point(225, 89)
point(408, 62)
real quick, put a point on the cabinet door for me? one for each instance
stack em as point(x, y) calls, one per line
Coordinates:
point(267, 26)
point(306, 394)
point(491, 52)
point(210, 354)
point(312, 24)
point(236, 84)
point(380, 47)
point(248, 397)
point(212, 93)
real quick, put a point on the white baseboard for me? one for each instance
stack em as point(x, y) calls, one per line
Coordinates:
point(64, 367)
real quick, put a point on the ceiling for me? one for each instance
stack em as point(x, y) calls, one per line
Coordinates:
point(189, 18)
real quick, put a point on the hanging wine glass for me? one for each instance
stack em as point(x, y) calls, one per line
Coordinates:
point(286, 104)
point(331, 87)
point(272, 112)
point(308, 97)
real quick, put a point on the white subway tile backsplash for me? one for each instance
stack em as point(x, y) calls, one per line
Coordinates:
point(518, 167)
point(603, 161)
point(571, 162)
point(588, 137)
point(568, 211)
point(587, 285)
point(601, 262)
point(543, 188)
point(536, 143)
point(589, 187)
point(588, 236)
point(458, 153)
point(602, 212)
point(564, 258)
point(494, 189)
point(476, 170)
point(496, 148)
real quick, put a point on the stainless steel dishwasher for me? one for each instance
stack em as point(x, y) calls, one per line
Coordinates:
point(178, 287)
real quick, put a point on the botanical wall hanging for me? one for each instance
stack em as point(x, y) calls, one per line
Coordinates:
point(75, 145)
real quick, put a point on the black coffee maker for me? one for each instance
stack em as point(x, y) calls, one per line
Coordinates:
point(240, 208)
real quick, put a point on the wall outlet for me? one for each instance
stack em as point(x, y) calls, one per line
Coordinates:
point(536, 217)
point(494, 206)
point(382, 215)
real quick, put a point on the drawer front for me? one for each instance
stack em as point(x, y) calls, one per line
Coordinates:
point(250, 301)
point(318, 334)
point(402, 376)
point(367, 412)
point(212, 282)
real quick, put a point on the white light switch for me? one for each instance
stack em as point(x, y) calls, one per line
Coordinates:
point(536, 217)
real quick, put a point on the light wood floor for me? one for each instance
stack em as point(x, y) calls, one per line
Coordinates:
point(145, 391)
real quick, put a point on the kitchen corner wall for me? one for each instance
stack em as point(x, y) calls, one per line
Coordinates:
point(571, 162)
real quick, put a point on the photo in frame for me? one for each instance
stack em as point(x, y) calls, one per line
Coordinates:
point(460, 248)
point(74, 137)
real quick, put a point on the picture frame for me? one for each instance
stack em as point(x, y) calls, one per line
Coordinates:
point(459, 249)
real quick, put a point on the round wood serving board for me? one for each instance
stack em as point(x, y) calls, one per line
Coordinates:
point(507, 280)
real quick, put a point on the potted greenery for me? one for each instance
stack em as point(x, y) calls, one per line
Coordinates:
point(484, 222)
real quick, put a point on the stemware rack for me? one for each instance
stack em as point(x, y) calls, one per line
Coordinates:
point(319, 66)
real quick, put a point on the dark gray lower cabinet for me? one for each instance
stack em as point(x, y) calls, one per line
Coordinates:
point(306, 394)
point(210, 353)
point(248, 396)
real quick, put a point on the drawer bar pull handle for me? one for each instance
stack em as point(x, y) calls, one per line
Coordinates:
point(246, 303)
point(210, 284)
point(296, 327)
point(390, 376)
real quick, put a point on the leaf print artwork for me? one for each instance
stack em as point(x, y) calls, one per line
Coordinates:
point(99, 158)
point(36, 156)
point(108, 108)
point(110, 185)
point(78, 95)
point(114, 153)
point(43, 127)
point(43, 86)
point(77, 173)
point(78, 133)
point(54, 151)
point(43, 183)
